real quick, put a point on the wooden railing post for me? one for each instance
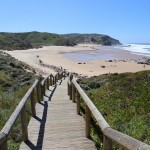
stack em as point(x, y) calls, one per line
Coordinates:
point(58, 76)
point(4, 146)
point(50, 80)
point(24, 124)
point(41, 92)
point(64, 75)
point(78, 102)
point(61, 75)
point(44, 88)
point(38, 92)
point(48, 83)
point(71, 86)
point(33, 104)
point(53, 80)
point(107, 143)
point(70, 91)
point(73, 93)
point(87, 122)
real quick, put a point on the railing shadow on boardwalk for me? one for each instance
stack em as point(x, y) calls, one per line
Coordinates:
point(42, 121)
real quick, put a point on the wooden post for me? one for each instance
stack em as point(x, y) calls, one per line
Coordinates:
point(73, 93)
point(41, 92)
point(33, 104)
point(50, 80)
point(107, 143)
point(88, 122)
point(48, 83)
point(70, 91)
point(78, 102)
point(24, 124)
point(44, 88)
point(58, 76)
point(53, 80)
point(4, 146)
point(38, 92)
point(64, 75)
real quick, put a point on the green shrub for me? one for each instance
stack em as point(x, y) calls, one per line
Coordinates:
point(124, 101)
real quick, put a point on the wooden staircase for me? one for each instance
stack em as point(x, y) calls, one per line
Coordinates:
point(57, 125)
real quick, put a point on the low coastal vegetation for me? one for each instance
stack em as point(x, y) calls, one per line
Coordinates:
point(11, 43)
point(27, 40)
point(14, 82)
point(123, 100)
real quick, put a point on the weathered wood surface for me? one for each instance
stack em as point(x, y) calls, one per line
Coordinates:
point(57, 125)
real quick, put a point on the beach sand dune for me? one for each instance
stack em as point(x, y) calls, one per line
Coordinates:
point(54, 56)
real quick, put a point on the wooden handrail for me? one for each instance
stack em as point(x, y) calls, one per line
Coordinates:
point(97, 115)
point(9, 124)
point(125, 140)
point(20, 109)
point(108, 133)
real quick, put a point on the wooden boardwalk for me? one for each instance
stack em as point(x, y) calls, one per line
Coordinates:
point(57, 125)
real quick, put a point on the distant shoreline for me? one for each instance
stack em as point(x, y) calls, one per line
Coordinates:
point(103, 53)
point(54, 55)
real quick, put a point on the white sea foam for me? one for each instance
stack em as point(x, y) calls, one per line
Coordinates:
point(140, 49)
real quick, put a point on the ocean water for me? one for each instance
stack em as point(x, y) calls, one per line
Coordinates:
point(139, 49)
point(84, 56)
point(103, 52)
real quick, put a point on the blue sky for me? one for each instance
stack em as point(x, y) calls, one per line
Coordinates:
point(126, 20)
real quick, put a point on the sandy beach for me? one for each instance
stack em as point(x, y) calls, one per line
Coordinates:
point(54, 55)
